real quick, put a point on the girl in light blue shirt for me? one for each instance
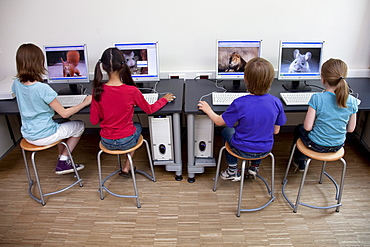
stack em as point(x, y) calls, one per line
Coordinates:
point(330, 114)
point(37, 103)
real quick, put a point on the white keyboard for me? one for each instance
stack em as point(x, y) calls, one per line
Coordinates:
point(225, 98)
point(70, 100)
point(151, 97)
point(297, 98)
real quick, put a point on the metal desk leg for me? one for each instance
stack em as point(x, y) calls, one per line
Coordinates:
point(191, 157)
point(177, 144)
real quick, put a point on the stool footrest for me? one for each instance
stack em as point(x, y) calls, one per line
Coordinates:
point(259, 208)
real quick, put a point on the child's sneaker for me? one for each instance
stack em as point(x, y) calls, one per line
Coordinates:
point(299, 164)
point(228, 175)
point(253, 170)
point(65, 166)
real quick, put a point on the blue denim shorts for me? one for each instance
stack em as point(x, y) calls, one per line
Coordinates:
point(123, 143)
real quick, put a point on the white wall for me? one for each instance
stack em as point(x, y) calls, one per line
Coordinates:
point(186, 30)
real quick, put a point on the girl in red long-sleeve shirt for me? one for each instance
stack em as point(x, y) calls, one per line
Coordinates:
point(113, 104)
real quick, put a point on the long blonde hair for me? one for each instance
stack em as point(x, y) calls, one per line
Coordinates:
point(334, 72)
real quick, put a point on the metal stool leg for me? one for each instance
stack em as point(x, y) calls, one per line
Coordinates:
point(341, 184)
point(241, 188)
point(73, 163)
point(41, 200)
point(134, 181)
point(218, 168)
point(150, 161)
point(301, 186)
point(100, 176)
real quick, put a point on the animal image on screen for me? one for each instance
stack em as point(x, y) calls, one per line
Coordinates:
point(65, 62)
point(142, 59)
point(232, 56)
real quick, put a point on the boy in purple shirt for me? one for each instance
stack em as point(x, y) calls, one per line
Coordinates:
point(251, 120)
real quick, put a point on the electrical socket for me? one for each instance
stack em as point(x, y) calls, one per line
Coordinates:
point(204, 75)
point(176, 76)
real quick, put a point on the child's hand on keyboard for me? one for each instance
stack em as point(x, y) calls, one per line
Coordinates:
point(169, 97)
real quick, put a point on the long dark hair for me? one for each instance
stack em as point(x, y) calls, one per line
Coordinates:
point(112, 60)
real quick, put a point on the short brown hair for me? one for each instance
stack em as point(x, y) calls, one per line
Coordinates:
point(259, 75)
point(30, 63)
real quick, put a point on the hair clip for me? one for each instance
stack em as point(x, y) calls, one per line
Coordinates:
point(123, 62)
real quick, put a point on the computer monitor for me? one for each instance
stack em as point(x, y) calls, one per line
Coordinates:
point(299, 61)
point(232, 55)
point(67, 64)
point(143, 60)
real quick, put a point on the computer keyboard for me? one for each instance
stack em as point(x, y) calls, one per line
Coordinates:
point(70, 100)
point(151, 97)
point(225, 98)
point(297, 98)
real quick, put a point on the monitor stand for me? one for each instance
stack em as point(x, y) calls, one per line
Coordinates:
point(73, 89)
point(145, 87)
point(235, 86)
point(296, 86)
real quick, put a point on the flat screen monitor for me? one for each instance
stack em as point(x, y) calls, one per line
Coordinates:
point(67, 64)
point(299, 61)
point(143, 60)
point(232, 55)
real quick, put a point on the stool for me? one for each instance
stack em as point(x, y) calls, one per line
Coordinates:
point(270, 190)
point(322, 157)
point(118, 153)
point(26, 146)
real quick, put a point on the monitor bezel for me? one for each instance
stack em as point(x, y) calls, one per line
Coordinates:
point(234, 75)
point(68, 80)
point(143, 77)
point(286, 76)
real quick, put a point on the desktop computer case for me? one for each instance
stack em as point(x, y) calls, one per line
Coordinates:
point(203, 136)
point(161, 139)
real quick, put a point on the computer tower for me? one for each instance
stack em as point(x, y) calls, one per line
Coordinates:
point(161, 139)
point(203, 136)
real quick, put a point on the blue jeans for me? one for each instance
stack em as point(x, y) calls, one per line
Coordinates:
point(227, 133)
point(300, 132)
point(123, 143)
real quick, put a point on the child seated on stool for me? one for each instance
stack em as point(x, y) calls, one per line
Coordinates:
point(251, 120)
point(37, 103)
point(113, 104)
point(330, 114)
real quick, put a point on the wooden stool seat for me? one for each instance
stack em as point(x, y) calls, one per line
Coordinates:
point(26, 146)
point(105, 150)
point(126, 152)
point(33, 148)
point(319, 156)
point(230, 151)
point(324, 157)
point(245, 160)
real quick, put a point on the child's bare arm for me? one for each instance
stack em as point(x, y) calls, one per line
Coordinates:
point(310, 119)
point(351, 123)
point(67, 112)
point(217, 119)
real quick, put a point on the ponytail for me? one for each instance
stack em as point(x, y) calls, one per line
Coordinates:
point(341, 93)
point(97, 83)
point(125, 75)
point(333, 72)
